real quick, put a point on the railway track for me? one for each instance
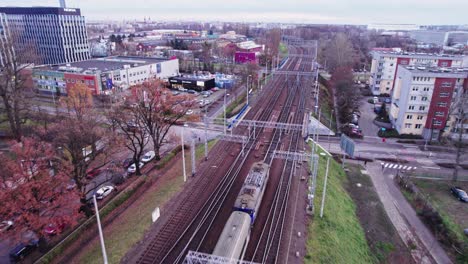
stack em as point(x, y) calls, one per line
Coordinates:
point(192, 219)
point(188, 213)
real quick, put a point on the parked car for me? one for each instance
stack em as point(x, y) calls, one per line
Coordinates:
point(352, 131)
point(127, 162)
point(460, 194)
point(23, 249)
point(90, 174)
point(6, 225)
point(148, 156)
point(132, 168)
point(175, 93)
point(104, 191)
point(355, 119)
point(189, 112)
point(54, 228)
point(387, 100)
point(71, 185)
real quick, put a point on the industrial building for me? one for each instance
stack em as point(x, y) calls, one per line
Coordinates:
point(246, 57)
point(197, 83)
point(102, 75)
point(57, 33)
point(423, 97)
point(385, 66)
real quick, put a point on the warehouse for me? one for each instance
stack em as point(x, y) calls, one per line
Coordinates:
point(196, 83)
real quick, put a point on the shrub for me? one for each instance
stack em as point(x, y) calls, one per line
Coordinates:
point(370, 101)
point(389, 133)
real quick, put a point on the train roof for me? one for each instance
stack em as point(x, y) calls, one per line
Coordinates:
point(254, 183)
point(236, 231)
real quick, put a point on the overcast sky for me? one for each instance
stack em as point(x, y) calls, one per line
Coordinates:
point(298, 11)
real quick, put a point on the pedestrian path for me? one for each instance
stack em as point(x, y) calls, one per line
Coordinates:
point(386, 165)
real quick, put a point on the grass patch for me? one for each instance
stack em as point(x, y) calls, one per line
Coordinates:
point(132, 224)
point(283, 49)
point(446, 218)
point(382, 237)
point(337, 237)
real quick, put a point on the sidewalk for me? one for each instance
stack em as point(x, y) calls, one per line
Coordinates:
point(404, 218)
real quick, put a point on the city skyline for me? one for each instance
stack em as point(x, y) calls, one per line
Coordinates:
point(298, 11)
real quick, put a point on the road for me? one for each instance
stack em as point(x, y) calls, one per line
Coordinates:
point(367, 117)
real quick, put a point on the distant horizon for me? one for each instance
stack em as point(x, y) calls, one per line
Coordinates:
point(339, 12)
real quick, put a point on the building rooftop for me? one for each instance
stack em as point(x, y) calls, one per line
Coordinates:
point(40, 10)
point(192, 78)
point(103, 64)
point(418, 55)
point(437, 71)
point(248, 45)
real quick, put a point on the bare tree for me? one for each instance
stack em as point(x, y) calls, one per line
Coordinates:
point(131, 129)
point(339, 52)
point(15, 63)
point(158, 111)
point(459, 111)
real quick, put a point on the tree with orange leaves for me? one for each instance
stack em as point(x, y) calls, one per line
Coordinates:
point(35, 189)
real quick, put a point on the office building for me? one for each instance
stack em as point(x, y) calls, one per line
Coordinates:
point(58, 34)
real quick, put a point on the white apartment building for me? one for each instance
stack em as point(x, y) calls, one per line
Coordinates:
point(384, 66)
point(423, 97)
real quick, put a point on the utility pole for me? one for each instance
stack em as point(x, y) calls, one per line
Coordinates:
point(101, 236)
point(248, 88)
point(331, 118)
point(192, 150)
point(224, 125)
point(206, 135)
point(325, 186)
point(183, 156)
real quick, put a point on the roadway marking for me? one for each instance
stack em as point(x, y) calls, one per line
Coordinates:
point(432, 168)
point(397, 166)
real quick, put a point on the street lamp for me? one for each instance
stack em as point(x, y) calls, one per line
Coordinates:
point(325, 182)
point(331, 118)
point(183, 155)
point(101, 236)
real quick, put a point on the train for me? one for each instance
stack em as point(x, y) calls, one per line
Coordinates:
point(236, 232)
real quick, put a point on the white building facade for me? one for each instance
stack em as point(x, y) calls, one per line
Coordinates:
point(384, 66)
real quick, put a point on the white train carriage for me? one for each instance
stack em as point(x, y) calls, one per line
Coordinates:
point(235, 236)
point(251, 193)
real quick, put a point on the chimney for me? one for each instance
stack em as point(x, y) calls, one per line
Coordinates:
point(62, 4)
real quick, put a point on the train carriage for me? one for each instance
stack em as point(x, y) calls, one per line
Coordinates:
point(235, 236)
point(251, 193)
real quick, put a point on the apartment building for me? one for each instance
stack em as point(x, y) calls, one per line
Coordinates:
point(58, 34)
point(423, 97)
point(385, 66)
